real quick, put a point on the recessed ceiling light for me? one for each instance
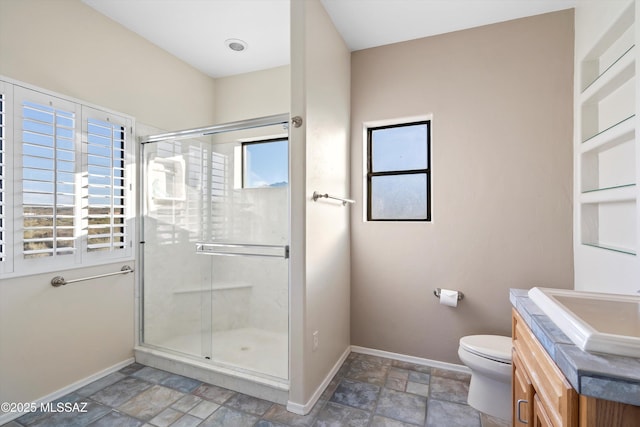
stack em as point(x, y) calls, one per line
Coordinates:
point(236, 45)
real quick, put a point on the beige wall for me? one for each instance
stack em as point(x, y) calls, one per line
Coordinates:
point(501, 99)
point(256, 94)
point(68, 47)
point(320, 238)
point(53, 337)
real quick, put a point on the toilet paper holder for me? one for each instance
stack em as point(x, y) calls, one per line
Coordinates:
point(436, 292)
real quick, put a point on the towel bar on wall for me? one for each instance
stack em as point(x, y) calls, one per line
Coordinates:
point(60, 281)
point(317, 196)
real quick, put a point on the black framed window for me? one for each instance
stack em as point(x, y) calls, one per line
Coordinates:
point(399, 172)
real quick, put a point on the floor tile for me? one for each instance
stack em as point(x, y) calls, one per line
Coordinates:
point(227, 417)
point(204, 409)
point(150, 402)
point(180, 383)
point(115, 418)
point(334, 415)
point(489, 421)
point(93, 411)
point(451, 414)
point(98, 385)
point(213, 393)
point(365, 370)
point(152, 375)
point(130, 369)
point(187, 421)
point(402, 406)
point(454, 375)
point(379, 421)
point(356, 394)
point(267, 423)
point(118, 393)
point(419, 377)
point(367, 391)
point(418, 388)
point(249, 404)
point(449, 389)
point(279, 414)
point(166, 417)
point(411, 366)
point(186, 403)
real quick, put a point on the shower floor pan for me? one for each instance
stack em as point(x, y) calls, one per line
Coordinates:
point(250, 361)
point(251, 349)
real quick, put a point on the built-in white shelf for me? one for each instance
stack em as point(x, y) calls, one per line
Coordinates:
point(606, 144)
point(613, 135)
point(615, 76)
point(625, 251)
point(621, 193)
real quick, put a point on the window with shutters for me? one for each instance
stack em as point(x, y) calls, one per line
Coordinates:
point(106, 208)
point(69, 175)
point(48, 180)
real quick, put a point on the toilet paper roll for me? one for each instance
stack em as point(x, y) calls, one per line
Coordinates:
point(449, 297)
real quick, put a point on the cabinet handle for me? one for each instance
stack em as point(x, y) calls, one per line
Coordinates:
point(520, 420)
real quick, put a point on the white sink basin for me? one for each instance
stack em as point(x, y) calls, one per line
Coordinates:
point(595, 322)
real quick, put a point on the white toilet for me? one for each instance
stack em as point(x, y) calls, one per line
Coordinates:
point(489, 358)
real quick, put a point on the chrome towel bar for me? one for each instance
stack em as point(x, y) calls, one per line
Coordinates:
point(59, 280)
point(317, 196)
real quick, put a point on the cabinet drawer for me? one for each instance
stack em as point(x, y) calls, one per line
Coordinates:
point(554, 391)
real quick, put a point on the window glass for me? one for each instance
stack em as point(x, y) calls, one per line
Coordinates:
point(399, 175)
point(401, 197)
point(399, 148)
point(266, 164)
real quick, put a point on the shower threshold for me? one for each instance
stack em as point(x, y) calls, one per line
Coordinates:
point(251, 361)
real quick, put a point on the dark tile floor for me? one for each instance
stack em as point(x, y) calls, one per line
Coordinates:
point(367, 391)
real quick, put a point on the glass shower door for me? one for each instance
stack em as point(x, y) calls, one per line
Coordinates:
point(216, 281)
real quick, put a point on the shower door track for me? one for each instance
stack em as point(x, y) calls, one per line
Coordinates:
point(224, 127)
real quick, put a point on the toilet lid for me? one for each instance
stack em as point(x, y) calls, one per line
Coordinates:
point(493, 347)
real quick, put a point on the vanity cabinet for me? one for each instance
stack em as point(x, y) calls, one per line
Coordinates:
point(543, 397)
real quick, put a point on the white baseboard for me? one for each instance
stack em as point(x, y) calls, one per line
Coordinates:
point(411, 359)
point(304, 409)
point(7, 417)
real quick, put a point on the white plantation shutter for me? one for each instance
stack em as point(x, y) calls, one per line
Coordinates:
point(46, 187)
point(6, 196)
point(65, 183)
point(106, 138)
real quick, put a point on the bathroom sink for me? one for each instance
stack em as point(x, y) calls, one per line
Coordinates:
point(595, 322)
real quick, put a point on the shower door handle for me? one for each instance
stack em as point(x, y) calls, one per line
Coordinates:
point(243, 249)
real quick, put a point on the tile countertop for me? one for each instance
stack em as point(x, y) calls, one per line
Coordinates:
point(603, 376)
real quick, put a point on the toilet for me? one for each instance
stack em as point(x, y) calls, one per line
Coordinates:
point(489, 358)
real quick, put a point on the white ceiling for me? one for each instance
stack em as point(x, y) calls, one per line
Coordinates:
point(195, 30)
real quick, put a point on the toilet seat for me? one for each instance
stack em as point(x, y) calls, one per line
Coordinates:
point(493, 347)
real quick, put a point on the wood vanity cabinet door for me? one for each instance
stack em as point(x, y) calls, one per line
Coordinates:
point(523, 391)
point(540, 417)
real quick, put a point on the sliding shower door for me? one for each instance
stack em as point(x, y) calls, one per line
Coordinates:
point(216, 282)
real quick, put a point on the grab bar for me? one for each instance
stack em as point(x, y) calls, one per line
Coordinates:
point(317, 196)
point(237, 249)
point(59, 280)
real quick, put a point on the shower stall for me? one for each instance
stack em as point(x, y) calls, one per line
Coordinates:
point(214, 252)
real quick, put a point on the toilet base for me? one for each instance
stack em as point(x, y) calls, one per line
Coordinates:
point(490, 396)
